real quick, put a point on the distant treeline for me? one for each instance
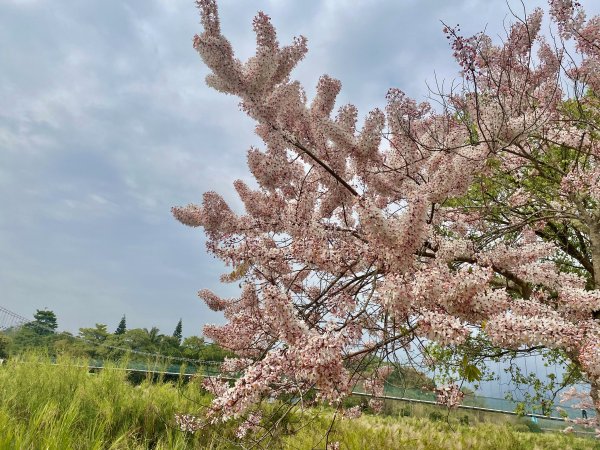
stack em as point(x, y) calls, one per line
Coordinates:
point(100, 343)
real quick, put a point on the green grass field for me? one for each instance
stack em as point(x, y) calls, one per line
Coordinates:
point(45, 406)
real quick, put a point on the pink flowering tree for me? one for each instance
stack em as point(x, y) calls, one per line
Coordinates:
point(477, 219)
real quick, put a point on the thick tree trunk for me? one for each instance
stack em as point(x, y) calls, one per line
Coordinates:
point(594, 227)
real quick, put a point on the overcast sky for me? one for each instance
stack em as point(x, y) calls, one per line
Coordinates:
point(105, 123)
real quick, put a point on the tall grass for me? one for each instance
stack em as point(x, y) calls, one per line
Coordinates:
point(374, 432)
point(62, 406)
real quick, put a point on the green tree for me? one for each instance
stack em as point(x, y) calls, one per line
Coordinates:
point(137, 339)
point(122, 327)
point(154, 336)
point(45, 322)
point(26, 337)
point(144, 339)
point(65, 343)
point(170, 346)
point(93, 340)
point(214, 352)
point(178, 329)
point(94, 335)
point(192, 347)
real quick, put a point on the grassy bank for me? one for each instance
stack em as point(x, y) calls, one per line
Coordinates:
point(371, 432)
point(43, 406)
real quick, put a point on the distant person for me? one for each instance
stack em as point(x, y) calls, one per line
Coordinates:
point(583, 414)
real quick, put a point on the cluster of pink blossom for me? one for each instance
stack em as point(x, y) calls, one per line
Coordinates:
point(442, 328)
point(352, 413)
point(349, 238)
point(590, 357)
point(449, 395)
point(232, 402)
point(251, 423)
point(188, 423)
point(579, 300)
point(314, 360)
point(465, 49)
point(584, 182)
point(375, 384)
point(513, 331)
point(232, 365)
point(216, 386)
point(395, 238)
point(581, 400)
point(572, 24)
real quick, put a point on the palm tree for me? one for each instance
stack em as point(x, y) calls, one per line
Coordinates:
point(154, 338)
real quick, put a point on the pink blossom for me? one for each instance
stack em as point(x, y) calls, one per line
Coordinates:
point(356, 240)
point(449, 395)
point(188, 423)
point(352, 413)
point(250, 424)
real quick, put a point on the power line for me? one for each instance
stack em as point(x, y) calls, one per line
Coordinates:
point(9, 319)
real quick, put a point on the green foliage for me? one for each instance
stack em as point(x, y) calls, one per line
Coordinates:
point(95, 335)
point(469, 371)
point(541, 393)
point(98, 344)
point(44, 322)
point(409, 377)
point(212, 352)
point(462, 362)
point(193, 346)
point(153, 335)
point(26, 337)
point(387, 433)
point(405, 412)
point(521, 427)
point(355, 400)
point(520, 409)
point(436, 416)
point(4, 346)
